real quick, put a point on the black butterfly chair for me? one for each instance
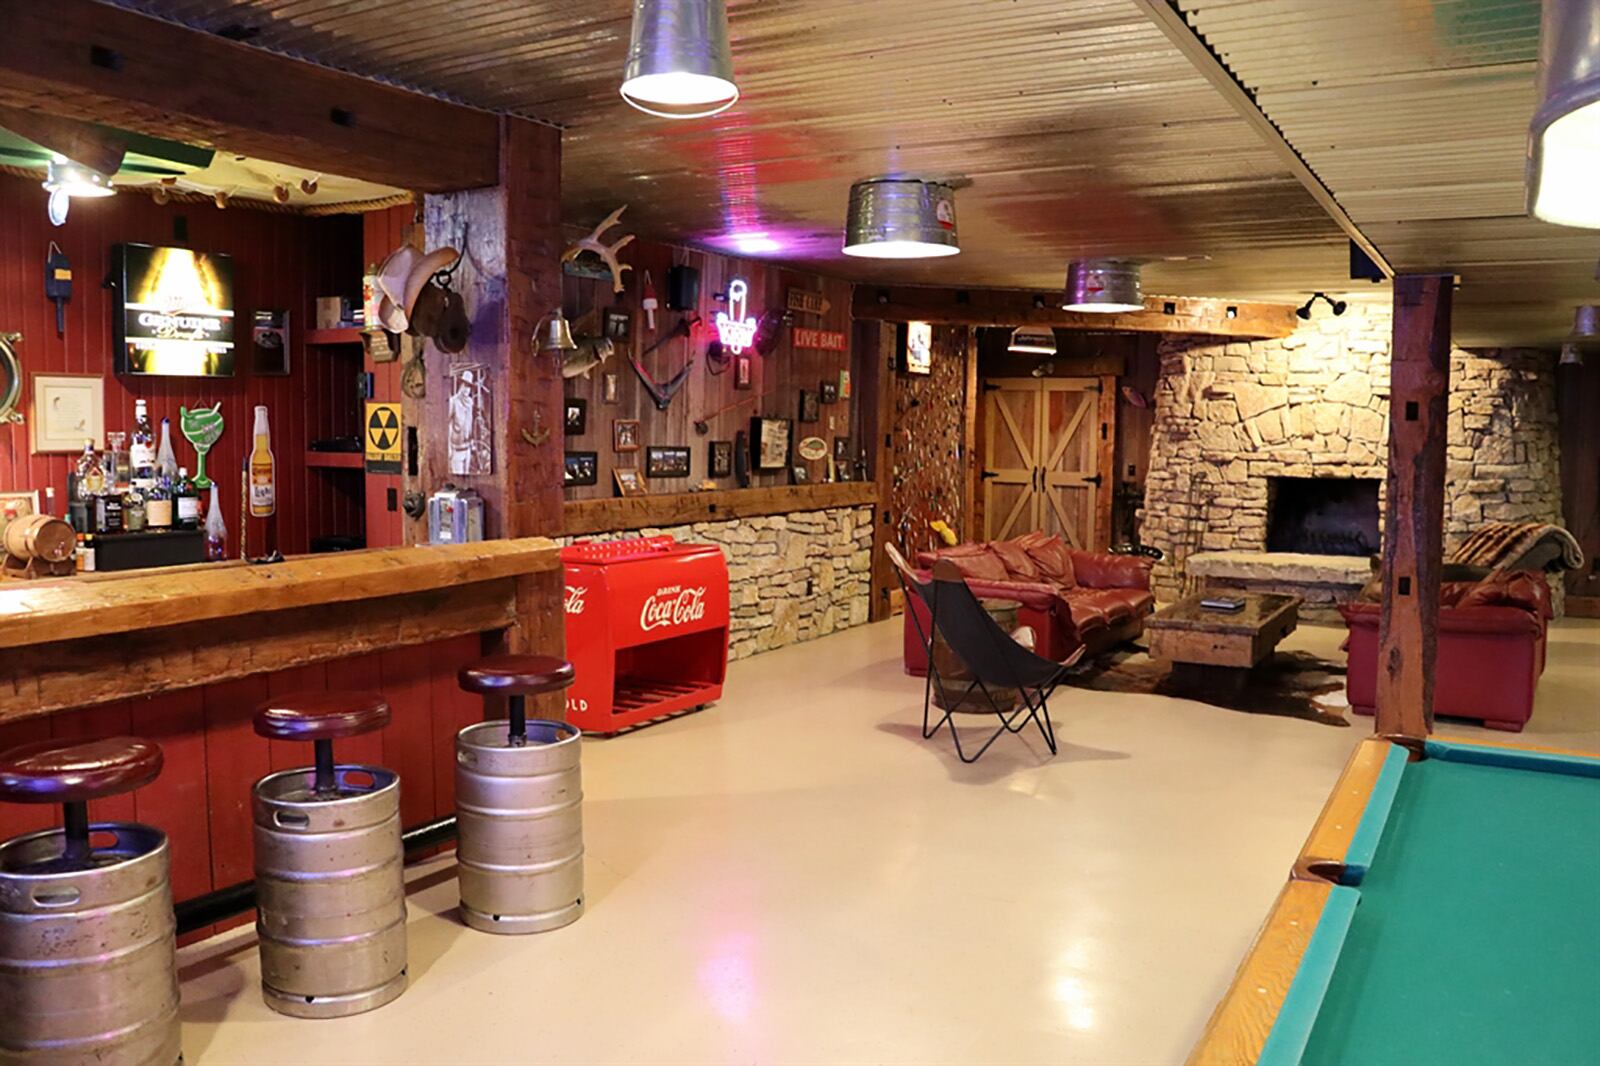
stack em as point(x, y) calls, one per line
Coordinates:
point(992, 656)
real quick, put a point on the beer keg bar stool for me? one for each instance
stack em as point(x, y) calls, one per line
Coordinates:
point(88, 970)
point(519, 804)
point(330, 879)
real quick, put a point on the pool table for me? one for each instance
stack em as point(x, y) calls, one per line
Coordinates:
point(1445, 909)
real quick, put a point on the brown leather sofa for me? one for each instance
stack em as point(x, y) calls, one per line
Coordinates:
point(1070, 598)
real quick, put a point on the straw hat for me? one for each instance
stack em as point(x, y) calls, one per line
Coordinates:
point(401, 278)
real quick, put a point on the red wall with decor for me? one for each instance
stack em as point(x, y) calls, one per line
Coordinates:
point(280, 261)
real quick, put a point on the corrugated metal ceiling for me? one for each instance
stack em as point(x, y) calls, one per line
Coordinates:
point(1082, 128)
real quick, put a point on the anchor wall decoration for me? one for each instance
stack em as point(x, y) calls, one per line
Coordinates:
point(662, 392)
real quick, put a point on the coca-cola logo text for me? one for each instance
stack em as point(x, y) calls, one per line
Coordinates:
point(672, 606)
point(575, 596)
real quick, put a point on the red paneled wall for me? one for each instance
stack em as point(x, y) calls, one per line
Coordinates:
point(280, 261)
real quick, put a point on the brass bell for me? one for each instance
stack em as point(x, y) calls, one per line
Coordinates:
point(556, 334)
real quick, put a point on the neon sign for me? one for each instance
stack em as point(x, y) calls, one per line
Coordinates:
point(738, 330)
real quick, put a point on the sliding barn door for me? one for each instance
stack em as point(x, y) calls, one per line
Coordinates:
point(1042, 448)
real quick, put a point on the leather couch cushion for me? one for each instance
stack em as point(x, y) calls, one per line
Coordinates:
point(1086, 614)
point(979, 566)
point(1115, 606)
point(1507, 590)
point(1052, 557)
point(1102, 571)
point(1019, 564)
point(1137, 602)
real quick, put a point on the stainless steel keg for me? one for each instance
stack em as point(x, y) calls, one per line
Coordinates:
point(519, 815)
point(330, 891)
point(87, 970)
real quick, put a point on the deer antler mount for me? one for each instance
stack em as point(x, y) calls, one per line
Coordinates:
point(607, 252)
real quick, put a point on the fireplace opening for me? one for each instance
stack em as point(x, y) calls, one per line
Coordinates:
point(1322, 515)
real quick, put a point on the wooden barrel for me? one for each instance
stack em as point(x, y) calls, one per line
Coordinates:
point(956, 677)
point(40, 536)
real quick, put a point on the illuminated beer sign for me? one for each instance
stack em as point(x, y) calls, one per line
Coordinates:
point(736, 327)
point(174, 314)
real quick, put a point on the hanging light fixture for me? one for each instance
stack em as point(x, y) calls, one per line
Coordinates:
point(64, 180)
point(901, 218)
point(1032, 340)
point(1104, 286)
point(1564, 140)
point(679, 62)
point(1585, 334)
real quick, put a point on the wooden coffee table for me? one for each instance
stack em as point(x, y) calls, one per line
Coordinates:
point(1218, 649)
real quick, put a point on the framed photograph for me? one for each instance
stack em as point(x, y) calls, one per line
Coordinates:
point(629, 482)
point(619, 324)
point(741, 370)
point(719, 458)
point(841, 448)
point(471, 421)
point(270, 334)
point(769, 443)
point(666, 461)
point(844, 384)
point(810, 409)
point(625, 435)
point(575, 422)
point(608, 388)
point(15, 505)
point(68, 409)
point(798, 475)
point(580, 468)
point(919, 348)
point(842, 472)
point(830, 391)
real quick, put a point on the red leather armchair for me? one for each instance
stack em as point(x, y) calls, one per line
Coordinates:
point(1070, 598)
point(1491, 650)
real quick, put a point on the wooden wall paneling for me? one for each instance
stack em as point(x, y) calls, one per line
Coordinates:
point(1413, 535)
point(875, 396)
point(175, 802)
point(409, 746)
point(19, 818)
point(453, 711)
point(1106, 463)
point(235, 759)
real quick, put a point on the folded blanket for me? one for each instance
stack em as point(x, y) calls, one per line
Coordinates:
point(1502, 546)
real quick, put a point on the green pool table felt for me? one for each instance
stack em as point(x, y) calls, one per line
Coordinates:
point(1477, 934)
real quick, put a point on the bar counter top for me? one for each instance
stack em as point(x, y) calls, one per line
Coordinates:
point(93, 638)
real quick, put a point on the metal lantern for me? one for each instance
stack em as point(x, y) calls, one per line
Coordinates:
point(1564, 139)
point(1103, 286)
point(679, 62)
point(901, 218)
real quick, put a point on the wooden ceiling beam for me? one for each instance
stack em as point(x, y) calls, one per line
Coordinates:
point(1018, 307)
point(90, 61)
point(96, 148)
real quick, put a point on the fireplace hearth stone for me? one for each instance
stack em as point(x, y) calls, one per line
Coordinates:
point(1321, 581)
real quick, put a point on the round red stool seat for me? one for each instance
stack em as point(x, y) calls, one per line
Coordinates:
point(321, 715)
point(69, 771)
point(516, 675)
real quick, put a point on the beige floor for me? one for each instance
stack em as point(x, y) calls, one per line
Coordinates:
point(795, 876)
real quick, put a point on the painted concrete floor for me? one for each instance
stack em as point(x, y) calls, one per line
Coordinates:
point(795, 876)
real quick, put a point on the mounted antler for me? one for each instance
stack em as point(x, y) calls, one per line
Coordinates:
point(608, 253)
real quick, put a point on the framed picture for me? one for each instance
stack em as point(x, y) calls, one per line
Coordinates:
point(919, 348)
point(741, 370)
point(608, 388)
point(798, 475)
point(270, 334)
point(769, 443)
point(841, 448)
point(68, 409)
point(629, 482)
point(844, 384)
point(625, 435)
point(15, 505)
point(666, 461)
point(810, 409)
point(471, 421)
point(619, 324)
point(830, 391)
point(580, 468)
point(841, 471)
point(719, 458)
point(575, 422)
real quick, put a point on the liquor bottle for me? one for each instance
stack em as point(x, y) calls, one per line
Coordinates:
point(166, 461)
point(108, 513)
point(133, 510)
point(158, 504)
point(185, 502)
point(263, 483)
point(116, 463)
point(85, 554)
point(90, 474)
point(216, 528)
point(142, 454)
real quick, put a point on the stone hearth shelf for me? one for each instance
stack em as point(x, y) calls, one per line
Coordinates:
point(1321, 581)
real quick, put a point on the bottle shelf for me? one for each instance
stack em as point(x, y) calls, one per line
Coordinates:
point(345, 335)
point(336, 460)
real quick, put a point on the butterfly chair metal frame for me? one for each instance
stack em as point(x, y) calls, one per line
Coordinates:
point(993, 657)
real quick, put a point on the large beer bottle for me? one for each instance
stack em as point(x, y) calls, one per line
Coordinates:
point(263, 481)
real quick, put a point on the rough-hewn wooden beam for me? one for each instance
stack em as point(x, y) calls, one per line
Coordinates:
point(81, 142)
point(92, 61)
point(1019, 307)
point(1413, 535)
point(681, 508)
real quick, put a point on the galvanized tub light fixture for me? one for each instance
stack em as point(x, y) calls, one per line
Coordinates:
point(679, 62)
point(901, 218)
point(1103, 286)
point(1032, 340)
point(1564, 140)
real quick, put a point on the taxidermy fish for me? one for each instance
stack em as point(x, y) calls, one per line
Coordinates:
point(588, 355)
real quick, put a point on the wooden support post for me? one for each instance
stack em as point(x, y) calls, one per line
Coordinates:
point(972, 469)
point(1413, 539)
point(874, 348)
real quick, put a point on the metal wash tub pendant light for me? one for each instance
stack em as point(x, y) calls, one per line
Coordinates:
point(1104, 286)
point(1564, 139)
point(901, 218)
point(679, 62)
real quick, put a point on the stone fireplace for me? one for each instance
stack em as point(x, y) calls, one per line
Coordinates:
point(1267, 459)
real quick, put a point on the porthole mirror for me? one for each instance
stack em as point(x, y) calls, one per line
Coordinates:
point(10, 379)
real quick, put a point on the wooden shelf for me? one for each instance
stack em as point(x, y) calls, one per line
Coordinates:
point(336, 460)
point(347, 335)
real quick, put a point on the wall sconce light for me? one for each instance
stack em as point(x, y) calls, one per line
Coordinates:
point(65, 180)
point(1304, 310)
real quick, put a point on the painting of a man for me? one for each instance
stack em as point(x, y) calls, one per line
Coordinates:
point(471, 428)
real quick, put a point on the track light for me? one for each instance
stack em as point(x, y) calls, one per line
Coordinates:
point(1337, 306)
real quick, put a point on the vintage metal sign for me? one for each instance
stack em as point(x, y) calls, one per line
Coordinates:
point(806, 302)
point(828, 340)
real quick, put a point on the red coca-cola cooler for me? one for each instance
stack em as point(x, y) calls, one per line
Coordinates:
point(647, 630)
